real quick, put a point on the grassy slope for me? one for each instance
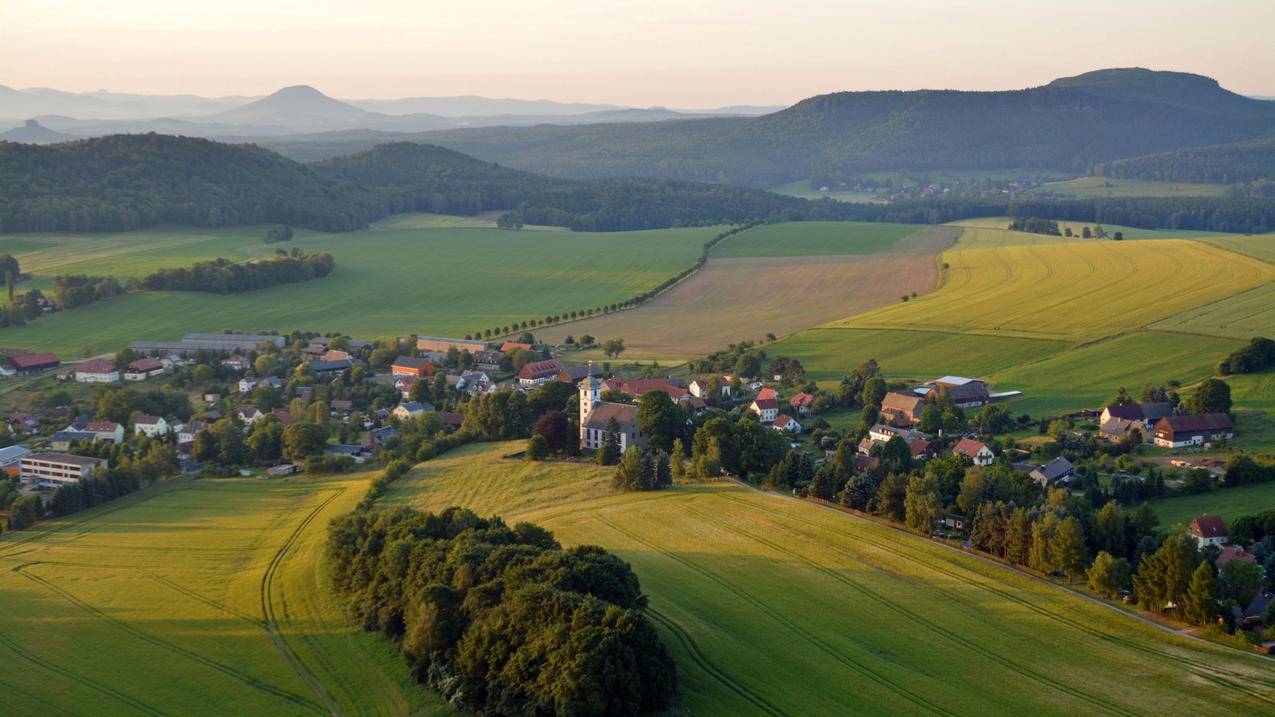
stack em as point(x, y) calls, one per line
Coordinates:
point(1226, 502)
point(1111, 187)
point(390, 282)
point(776, 606)
point(157, 604)
point(814, 239)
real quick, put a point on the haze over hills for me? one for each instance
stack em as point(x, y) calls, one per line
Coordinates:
point(32, 132)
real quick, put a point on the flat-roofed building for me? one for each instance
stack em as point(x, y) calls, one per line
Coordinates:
point(50, 470)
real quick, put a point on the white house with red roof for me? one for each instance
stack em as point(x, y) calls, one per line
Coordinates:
point(143, 368)
point(97, 371)
point(767, 409)
point(1208, 530)
point(977, 451)
point(802, 403)
point(236, 362)
point(539, 372)
point(786, 423)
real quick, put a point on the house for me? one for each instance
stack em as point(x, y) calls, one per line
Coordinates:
point(902, 409)
point(305, 393)
point(487, 360)
point(596, 416)
point(410, 409)
point(404, 384)
point(1147, 413)
point(1179, 431)
point(27, 364)
point(577, 373)
point(922, 449)
point(786, 423)
point(143, 368)
point(471, 379)
point(62, 440)
point(1252, 615)
point(322, 367)
point(97, 371)
point(514, 346)
point(767, 409)
point(767, 394)
point(50, 470)
point(247, 384)
point(340, 407)
point(976, 451)
point(212, 397)
point(358, 453)
point(104, 431)
point(236, 362)
point(1234, 552)
point(881, 433)
point(335, 355)
point(150, 426)
point(705, 387)
point(1117, 429)
point(413, 366)
point(441, 344)
point(451, 421)
point(963, 392)
point(283, 414)
point(380, 436)
point(1208, 530)
point(248, 414)
point(803, 403)
point(1059, 470)
point(188, 432)
point(538, 372)
point(953, 521)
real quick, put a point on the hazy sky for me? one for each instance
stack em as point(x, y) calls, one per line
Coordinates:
point(648, 52)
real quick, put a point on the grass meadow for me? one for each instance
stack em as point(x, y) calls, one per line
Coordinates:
point(387, 282)
point(1226, 502)
point(845, 615)
point(193, 597)
point(814, 239)
point(1112, 187)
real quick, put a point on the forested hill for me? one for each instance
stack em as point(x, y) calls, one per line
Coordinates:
point(1223, 163)
point(414, 177)
point(1067, 125)
point(123, 182)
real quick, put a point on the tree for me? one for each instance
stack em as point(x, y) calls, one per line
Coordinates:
point(1145, 521)
point(1108, 575)
point(265, 440)
point(1163, 576)
point(609, 453)
point(660, 420)
point(920, 506)
point(1213, 395)
point(1041, 557)
point(1110, 530)
point(677, 461)
point(537, 448)
point(279, 233)
point(613, 347)
point(1067, 548)
point(890, 498)
point(1241, 581)
point(994, 418)
point(303, 439)
point(1200, 606)
point(1018, 537)
point(229, 441)
point(555, 429)
point(205, 446)
point(990, 530)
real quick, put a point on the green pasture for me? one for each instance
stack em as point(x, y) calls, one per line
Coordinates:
point(1226, 502)
point(192, 597)
point(814, 239)
point(389, 282)
point(1112, 187)
point(772, 605)
point(1244, 315)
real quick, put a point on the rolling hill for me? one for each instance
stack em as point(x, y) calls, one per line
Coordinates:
point(1246, 161)
point(32, 132)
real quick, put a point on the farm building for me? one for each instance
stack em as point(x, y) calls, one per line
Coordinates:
point(1117, 429)
point(26, 364)
point(50, 470)
point(487, 360)
point(97, 371)
point(1147, 413)
point(538, 372)
point(1059, 470)
point(963, 392)
point(514, 346)
point(902, 409)
point(577, 373)
point(194, 343)
point(142, 369)
point(596, 416)
point(1195, 430)
point(330, 366)
point(705, 387)
point(977, 451)
point(1208, 530)
point(411, 366)
point(439, 343)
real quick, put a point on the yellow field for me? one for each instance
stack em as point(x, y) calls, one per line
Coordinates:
point(1071, 290)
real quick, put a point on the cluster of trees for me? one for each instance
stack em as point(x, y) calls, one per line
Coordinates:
point(1036, 225)
point(500, 619)
point(70, 291)
point(1253, 527)
point(640, 469)
point(278, 233)
point(122, 477)
point(1257, 355)
point(1241, 469)
point(222, 276)
point(1231, 163)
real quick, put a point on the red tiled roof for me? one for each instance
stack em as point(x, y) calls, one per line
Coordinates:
point(1208, 526)
point(509, 345)
point(96, 366)
point(1232, 552)
point(148, 420)
point(801, 400)
point(101, 426)
point(766, 404)
point(540, 369)
point(26, 361)
point(1201, 422)
point(767, 393)
point(968, 447)
point(146, 364)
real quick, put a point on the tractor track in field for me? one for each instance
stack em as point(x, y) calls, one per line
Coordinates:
point(172, 585)
point(917, 618)
point(146, 637)
point(811, 638)
point(1198, 668)
point(707, 665)
point(272, 620)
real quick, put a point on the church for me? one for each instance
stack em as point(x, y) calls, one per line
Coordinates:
point(596, 414)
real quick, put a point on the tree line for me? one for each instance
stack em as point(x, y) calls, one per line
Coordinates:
point(222, 276)
point(500, 619)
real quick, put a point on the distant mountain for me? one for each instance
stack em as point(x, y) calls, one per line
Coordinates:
point(300, 105)
point(126, 182)
point(32, 102)
point(1220, 163)
point(474, 106)
point(33, 132)
point(1067, 125)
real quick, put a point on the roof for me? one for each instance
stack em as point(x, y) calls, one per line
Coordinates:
point(335, 365)
point(148, 420)
point(919, 446)
point(1259, 604)
point(572, 374)
point(783, 420)
point(412, 406)
point(101, 426)
point(766, 404)
point(487, 357)
point(510, 345)
point(410, 362)
point(963, 391)
point(624, 414)
point(641, 386)
point(968, 447)
point(895, 401)
point(341, 404)
point(1053, 470)
point(26, 361)
point(1208, 526)
point(451, 419)
point(146, 364)
point(766, 393)
point(541, 369)
point(1201, 422)
point(64, 458)
point(1156, 411)
point(96, 366)
point(1232, 552)
point(1119, 426)
point(955, 380)
point(801, 400)
point(9, 453)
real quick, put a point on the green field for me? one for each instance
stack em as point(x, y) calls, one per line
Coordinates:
point(1261, 246)
point(814, 239)
point(387, 282)
point(1112, 187)
point(192, 597)
point(775, 606)
point(1245, 315)
point(1226, 502)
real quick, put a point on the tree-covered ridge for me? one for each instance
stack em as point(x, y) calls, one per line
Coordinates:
point(1068, 125)
point(124, 182)
point(1221, 163)
point(503, 620)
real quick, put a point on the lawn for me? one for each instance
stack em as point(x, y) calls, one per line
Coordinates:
point(1112, 187)
point(775, 606)
point(192, 597)
point(1088, 376)
point(814, 239)
point(1226, 502)
point(1071, 290)
point(390, 282)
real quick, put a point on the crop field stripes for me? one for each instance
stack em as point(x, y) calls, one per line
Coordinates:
point(255, 683)
point(255, 621)
point(913, 616)
point(268, 595)
point(1200, 669)
point(814, 640)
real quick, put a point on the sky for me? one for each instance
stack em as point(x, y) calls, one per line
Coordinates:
point(676, 53)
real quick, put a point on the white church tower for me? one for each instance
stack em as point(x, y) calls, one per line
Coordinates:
point(590, 396)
